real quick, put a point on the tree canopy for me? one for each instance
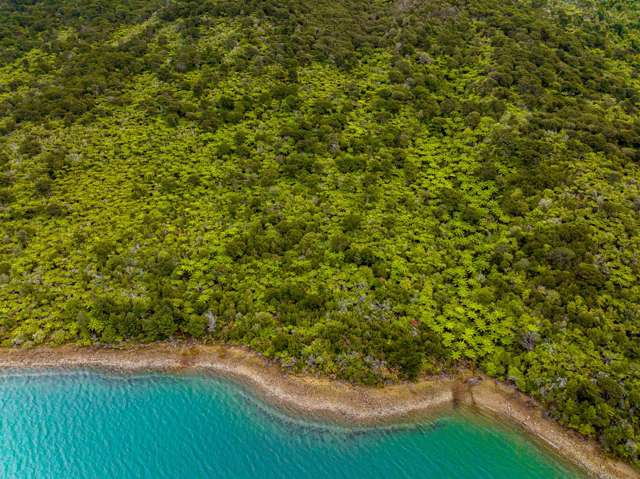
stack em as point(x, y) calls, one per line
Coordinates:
point(374, 190)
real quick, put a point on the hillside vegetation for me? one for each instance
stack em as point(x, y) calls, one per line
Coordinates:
point(373, 190)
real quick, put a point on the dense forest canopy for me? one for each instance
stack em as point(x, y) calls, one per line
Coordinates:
point(373, 190)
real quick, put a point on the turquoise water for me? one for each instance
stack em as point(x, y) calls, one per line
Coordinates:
point(92, 425)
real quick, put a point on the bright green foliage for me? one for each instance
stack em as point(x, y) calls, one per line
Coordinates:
point(370, 189)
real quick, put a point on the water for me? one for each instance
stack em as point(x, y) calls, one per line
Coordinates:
point(83, 424)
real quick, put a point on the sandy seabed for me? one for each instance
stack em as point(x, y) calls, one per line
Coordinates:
point(337, 401)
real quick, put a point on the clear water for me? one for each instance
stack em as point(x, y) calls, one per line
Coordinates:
point(92, 425)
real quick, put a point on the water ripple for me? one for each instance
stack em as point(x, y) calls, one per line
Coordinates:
point(89, 424)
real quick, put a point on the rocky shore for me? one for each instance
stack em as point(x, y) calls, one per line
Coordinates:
point(336, 401)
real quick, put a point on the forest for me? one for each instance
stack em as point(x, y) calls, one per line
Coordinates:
point(370, 190)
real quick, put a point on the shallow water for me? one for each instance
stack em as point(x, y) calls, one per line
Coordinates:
point(80, 424)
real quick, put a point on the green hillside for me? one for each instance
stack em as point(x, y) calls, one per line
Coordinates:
point(373, 190)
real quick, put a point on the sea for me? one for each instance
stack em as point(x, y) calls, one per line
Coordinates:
point(75, 424)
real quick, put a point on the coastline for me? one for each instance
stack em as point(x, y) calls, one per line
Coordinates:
point(336, 401)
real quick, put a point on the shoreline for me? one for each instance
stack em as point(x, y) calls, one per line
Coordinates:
point(336, 401)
